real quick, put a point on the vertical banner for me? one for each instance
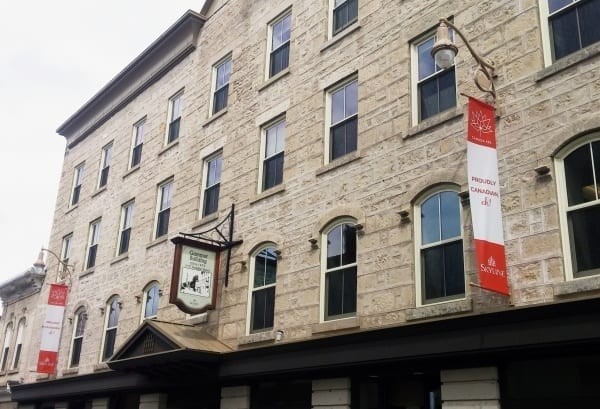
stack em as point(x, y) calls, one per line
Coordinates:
point(484, 194)
point(51, 328)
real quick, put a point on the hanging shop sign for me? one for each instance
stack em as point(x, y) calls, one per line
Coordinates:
point(51, 328)
point(484, 195)
point(194, 278)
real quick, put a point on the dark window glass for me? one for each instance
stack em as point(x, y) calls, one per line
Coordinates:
point(109, 343)
point(174, 130)
point(211, 199)
point(111, 328)
point(78, 338)
point(437, 93)
point(263, 308)
point(573, 27)
point(340, 278)
point(76, 191)
point(341, 246)
point(343, 138)
point(4, 359)
point(91, 260)
point(444, 270)
point(152, 298)
point(136, 155)
point(104, 176)
point(220, 100)
point(584, 233)
point(345, 12)
point(579, 174)
point(273, 171)
point(162, 223)
point(124, 244)
point(280, 59)
point(280, 46)
point(17, 355)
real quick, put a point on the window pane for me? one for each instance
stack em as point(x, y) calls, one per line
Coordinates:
point(426, 61)
point(109, 343)
point(334, 247)
point(220, 99)
point(579, 176)
point(280, 59)
point(113, 317)
point(152, 297)
point(273, 171)
point(351, 91)
point(263, 308)
point(211, 199)
point(341, 292)
point(223, 73)
point(430, 220)
point(565, 33)
point(454, 268)
point(443, 270)
point(450, 215)
point(428, 94)
point(349, 244)
point(337, 106)
point(584, 232)
point(162, 223)
point(589, 16)
point(136, 156)
point(554, 5)
point(77, 343)
point(173, 130)
point(259, 269)
point(447, 89)
point(81, 320)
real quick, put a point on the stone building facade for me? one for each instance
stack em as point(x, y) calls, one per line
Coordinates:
point(337, 139)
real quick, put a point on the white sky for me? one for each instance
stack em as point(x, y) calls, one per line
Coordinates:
point(54, 55)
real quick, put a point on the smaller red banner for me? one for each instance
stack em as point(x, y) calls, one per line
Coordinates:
point(47, 362)
point(58, 295)
point(491, 264)
point(481, 128)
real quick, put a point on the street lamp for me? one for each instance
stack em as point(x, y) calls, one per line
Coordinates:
point(62, 267)
point(444, 51)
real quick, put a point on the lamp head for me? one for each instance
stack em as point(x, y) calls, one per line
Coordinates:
point(444, 50)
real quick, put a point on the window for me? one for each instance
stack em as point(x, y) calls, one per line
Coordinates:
point(138, 142)
point(279, 44)
point(212, 184)
point(105, 165)
point(165, 192)
point(6, 347)
point(578, 176)
point(343, 109)
point(92, 250)
point(174, 120)
point(262, 284)
point(571, 25)
point(113, 308)
point(125, 230)
point(77, 180)
point(272, 146)
point(439, 258)
point(339, 263)
point(18, 344)
point(435, 87)
point(221, 73)
point(345, 12)
point(65, 253)
point(151, 298)
point(77, 340)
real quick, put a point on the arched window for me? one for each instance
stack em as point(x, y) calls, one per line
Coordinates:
point(439, 259)
point(262, 289)
point(338, 262)
point(6, 347)
point(578, 177)
point(151, 298)
point(77, 340)
point(19, 343)
point(113, 308)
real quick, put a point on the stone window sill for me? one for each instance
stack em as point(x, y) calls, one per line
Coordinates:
point(268, 193)
point(156, 242)
point(169, 147)
point(214, 117)
point(42, 377)
point(120, 258)
point(578, 285)
point(101, 367)
point(434, 122)
point(440, 309)
point(344, 160)
point(13, 371)
point(339, 36)
point(70, 371)
point(568, 62)
point(336, 325)
point(266, 336)
point(72, 208)
point(87, 272)
point(132, 170)
point(274, 79)
point(205, 220)
point(97, 192)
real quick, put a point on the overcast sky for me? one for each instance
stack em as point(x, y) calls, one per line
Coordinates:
point(54, 55)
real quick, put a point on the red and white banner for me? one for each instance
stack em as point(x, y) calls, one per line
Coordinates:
point(51, 328)
point(484, 194)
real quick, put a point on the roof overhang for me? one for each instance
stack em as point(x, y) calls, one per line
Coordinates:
point(152, 64)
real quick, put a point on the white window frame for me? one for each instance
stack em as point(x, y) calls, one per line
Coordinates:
point(330, 27)
point(178, 96)
point(270, 26)
point(125, 222)
point(414, 70)
point(114, 299)
point(65, 255)
point(324, 270)
point(4, 358)
point(161, 190)
point(93, 240)
point(74, 336)
point(78, 173)
point(213, 86)
point(153, 284)
point(204, 187)
point(105, 161)
point(251, 289)
point(137, 139)
point(563, 203)
point(263, 149)
point(18, 352)
point(328, 115)
point(419, 296)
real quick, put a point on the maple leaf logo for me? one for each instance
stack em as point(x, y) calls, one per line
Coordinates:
point(481, 123)
point(491, 262)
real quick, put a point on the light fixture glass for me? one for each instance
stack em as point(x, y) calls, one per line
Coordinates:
point(444, 57)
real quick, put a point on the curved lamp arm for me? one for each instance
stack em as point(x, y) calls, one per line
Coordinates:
point(443, 43)
point(65, 267)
